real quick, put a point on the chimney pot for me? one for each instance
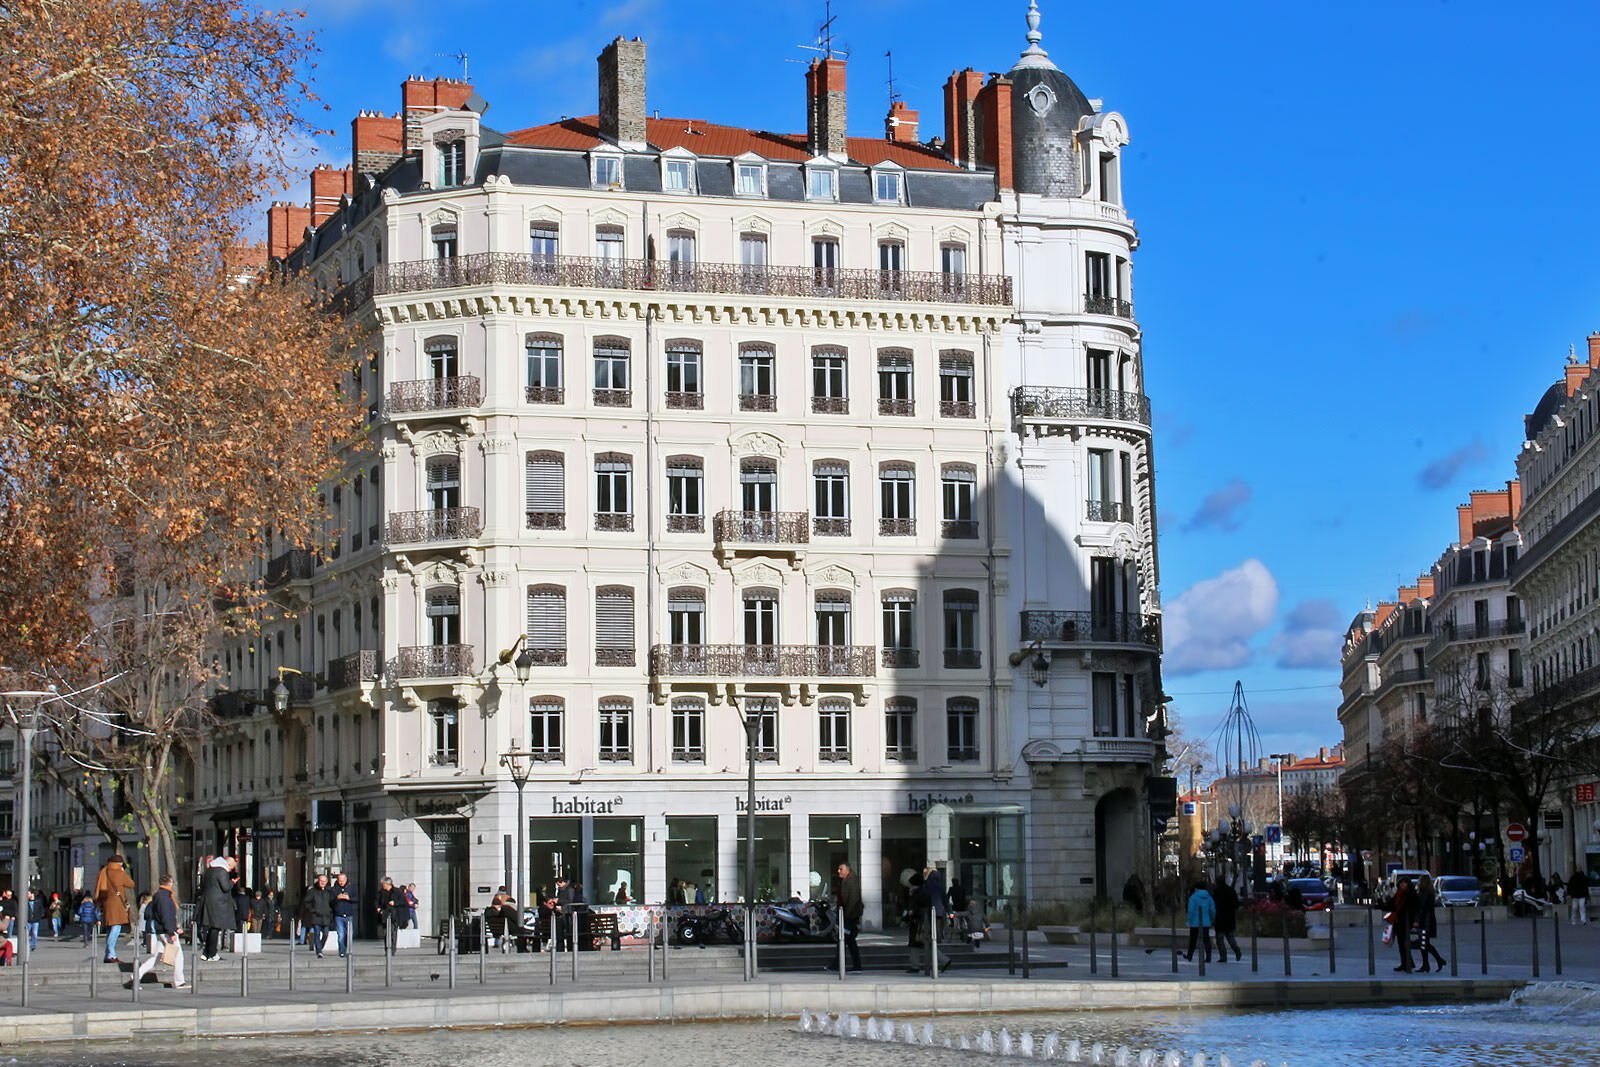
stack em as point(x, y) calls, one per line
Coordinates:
point(622, 87)
point(901, 125)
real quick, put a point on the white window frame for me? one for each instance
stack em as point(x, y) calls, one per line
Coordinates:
point(818, 167)
point(686, 161)
point(599, 160)
point(759, 166)
point(883, 173)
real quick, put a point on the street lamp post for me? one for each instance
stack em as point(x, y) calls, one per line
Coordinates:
point(519, 762)
point(25, 717)
point(750, 716)
point(1280, 757)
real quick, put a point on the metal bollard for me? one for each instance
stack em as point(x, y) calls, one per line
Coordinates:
point(1255, 944)
point(350, 963)
point(838, 922)
point(1114, 938)
point(1455, 962)
point(1333, 961)
point(483, 951)
point(388, 951)
point(1533, 929)
point(555, 942)
point(1205, 934)
point(292, 939)
point(1172, 935)
point(1027, 970)
point(666, 945)
point(1483, 945)
point(194, 944)
point(1372, 949)
point(1094, 947)
point(933, 944)
point(94, 957)
point(574, 946)
point(135, 984)
point(1555, 924)
point(1011, 939)
point(452, 951)
point(1283, 929)
point(244, 972)
point(650, 946)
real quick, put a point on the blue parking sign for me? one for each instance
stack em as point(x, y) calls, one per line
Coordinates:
point(1274, 834)
point(1515, 854)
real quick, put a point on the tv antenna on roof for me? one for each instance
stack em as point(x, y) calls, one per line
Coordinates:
point(824, 43)
point(893, 95)
point(459, 57)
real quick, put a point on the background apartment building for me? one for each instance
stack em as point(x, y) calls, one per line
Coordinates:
point(674, 423)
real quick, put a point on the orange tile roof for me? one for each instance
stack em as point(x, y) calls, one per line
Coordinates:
point(710, 139)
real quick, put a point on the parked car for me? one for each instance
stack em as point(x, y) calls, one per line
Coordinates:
point(1313, 892)
point(1384, 897)
point(1459, 891)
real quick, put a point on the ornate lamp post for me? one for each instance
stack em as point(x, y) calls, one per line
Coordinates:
point(750, 717)
point(22, 706)
point(518, 762)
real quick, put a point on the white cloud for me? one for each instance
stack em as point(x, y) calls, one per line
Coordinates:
point(1209, 626)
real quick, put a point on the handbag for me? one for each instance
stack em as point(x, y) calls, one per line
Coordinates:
point(1388, 933)
point(169, 953)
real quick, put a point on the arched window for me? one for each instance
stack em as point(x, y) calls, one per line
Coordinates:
point(758, 378)
point(900, 729)
point(830, 515)
point(546, 728)
point(688, 730)
point(958, 485)
point(544, 369)
point(829, 380)
point(833, 730)
point(961, 729)
point(547, 625)
point(897, 492)
point(613, 378)
point(894, 382)
point(613, 626)
point(546, 486)
point(616, 729)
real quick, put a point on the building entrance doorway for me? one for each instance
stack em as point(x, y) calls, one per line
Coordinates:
point(450, 868)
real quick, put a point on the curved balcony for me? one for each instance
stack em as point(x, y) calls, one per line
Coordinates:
point(1050, 410)
point(789, 662)
point(1107, 511)
point(1108, 305)
point(1077, 629)
point(432, 661)
point(433, 394)
point(583, 272)
point(761, 533)
point(433, 525)
point(295, 565)
point(352, 670)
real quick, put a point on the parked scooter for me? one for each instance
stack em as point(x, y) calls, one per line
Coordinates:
point(798, 920)
point(700, 929)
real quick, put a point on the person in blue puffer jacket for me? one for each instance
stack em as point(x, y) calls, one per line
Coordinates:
point(1202, 913)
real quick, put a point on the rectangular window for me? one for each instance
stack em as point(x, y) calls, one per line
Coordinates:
point(894, 384)
point(833, 619)
point(900, 629)
point(750, 179)
point(547, 625)
point(825, 265)
point(442, 359)
point(444, 724)
point(611, 267)
point(616, 731)
point(961, 630)
point(891, 266)
point(452, 163)
point(828, 382)
point(678, 176)
point(1103, 692)
point(444, 484)
point(688, 732)
point(546, 485)
point(1131, 715)
point(831, 516)
point(545, 729)
point(1097, 368)
point(1480, 673)
point(686, 617)
point(683, 377)
point(544, 370)
point(544, 243)
point(955, 387)
point(821, 183)
point(900, 730)
point(953, 270)
point(444, 242)
point(760, 618)
point(958, 486)
point(896, 500)
point(613, 627)
point(961, 730)
point(886, 187)
point(612, 378)
point(613, 493)
point(1514, 668)
point(685, 495)
point(607, 172)
point(681, 257)
point(833, 731)
point(1101, 284)
point(757, 380)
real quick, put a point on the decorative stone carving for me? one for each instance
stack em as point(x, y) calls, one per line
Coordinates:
point(496, 445)
point(438, 443)
point(753, 224)
point(494, 579)
point(759, 444)
point(442, 217)
point(687, 573)
point(1041, 98)
point(833, 574)
point(759, 574)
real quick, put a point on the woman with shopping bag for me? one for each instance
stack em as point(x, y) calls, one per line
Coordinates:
point(161, 923)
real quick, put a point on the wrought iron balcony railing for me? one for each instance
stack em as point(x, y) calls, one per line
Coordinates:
point(434, 394)
point(959, 529)
point(1072, 404)
point(1446, 632)
point(964, 659)
point(433, 661)
point(613, 398)
point(764, 661)
point(583, 272)
point(831, 405)
point(547, 520)
point(1107, 511)
point(758, 402)
point(295, 565)
point(889, 406)
point(1108, 305)
point(686, 524)
point(435, 524)
point(958, 409)
point(685, 401)
point(897, 527)
point(613, 657)
point(761, 527)
point(1091, 627)
point(614, 521)
point(545, 394)
point(826, 526)
point(352, 670)
point(902, 657)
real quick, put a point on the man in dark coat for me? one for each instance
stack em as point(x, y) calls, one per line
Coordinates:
point(161, 924)
point(316, 911)
point(1226, 923)
point(847, 891)
point(215, 913)
point(1404, 918)
point(344, 909)
point(561, 915)
point(391, 909)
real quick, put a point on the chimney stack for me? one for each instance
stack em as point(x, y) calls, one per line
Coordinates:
point(961, 117)
point(622, 78)
point(825, 109)
point(994, 130)
point(286, 227)
point(420, 98)
point(376, 141)
point(901, 125)
point(327, 186)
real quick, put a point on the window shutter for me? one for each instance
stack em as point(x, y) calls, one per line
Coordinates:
point(546, 482)
point(444, 474)
point(547, 618)
point(613, 619)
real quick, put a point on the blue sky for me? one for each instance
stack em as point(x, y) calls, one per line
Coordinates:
point(1367, 233)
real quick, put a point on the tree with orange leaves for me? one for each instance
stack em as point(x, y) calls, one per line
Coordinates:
point(162, 401)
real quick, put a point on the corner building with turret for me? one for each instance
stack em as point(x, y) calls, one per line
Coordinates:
point(675, 426)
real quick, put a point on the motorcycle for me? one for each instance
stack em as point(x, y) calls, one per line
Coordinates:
point(798, 920)
point(700, 929)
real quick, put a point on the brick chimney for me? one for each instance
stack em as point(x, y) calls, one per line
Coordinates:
point(376, 141)
point(901, 125)
point(961, 116)
point(327, 186)
point(994, 130)
point(622, 79)
point(1594, 350)
point(420, 97)
point(825, 108)
point(286, 227)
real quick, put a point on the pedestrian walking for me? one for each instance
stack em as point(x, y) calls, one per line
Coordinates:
point(391, 909)
point(1226, 900)
point(1403, 917)
point(935, 898)
point(1428, 922)
point(88, 916)
point(1578, 897)
point(412, 903)
point(53, 912)
point(1202, 912)
point(559, 915)
point(316, 912)
point(847, 891)
point(112, 895)
point(35, 911)
point(214, 912)
point(161, 926)
point(344, 909)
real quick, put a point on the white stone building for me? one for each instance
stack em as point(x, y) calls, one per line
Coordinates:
point(685, 422)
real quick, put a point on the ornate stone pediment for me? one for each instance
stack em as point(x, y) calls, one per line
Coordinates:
point(835, 575)
point(757, 443)
point(758, 574)
point(687, 573)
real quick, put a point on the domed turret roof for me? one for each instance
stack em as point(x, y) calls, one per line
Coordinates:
point(1545, 409)
point(1046, 109)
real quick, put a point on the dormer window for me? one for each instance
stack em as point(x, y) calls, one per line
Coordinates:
point(886, 186)
point(452, 162)
point(822, 183)
point(750, 179)
point(607, 171)
point(677, 175)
